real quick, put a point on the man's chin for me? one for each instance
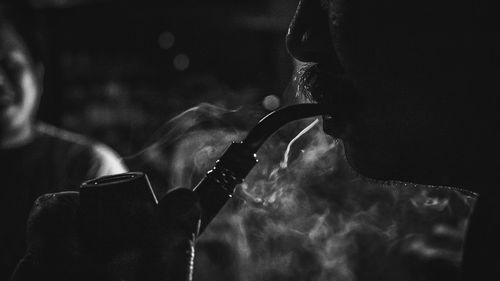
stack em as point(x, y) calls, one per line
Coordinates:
point(8, 114)
point(5, 118)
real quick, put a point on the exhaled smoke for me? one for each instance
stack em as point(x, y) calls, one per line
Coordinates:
point(188, 145)
point(302, 214)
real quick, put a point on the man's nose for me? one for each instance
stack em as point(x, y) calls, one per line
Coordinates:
point(308, 38)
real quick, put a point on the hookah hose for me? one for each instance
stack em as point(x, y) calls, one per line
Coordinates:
point(217, 187)
point(119, 206)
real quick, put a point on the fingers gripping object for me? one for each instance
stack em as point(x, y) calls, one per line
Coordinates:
point(127, 233)
point(119, 205)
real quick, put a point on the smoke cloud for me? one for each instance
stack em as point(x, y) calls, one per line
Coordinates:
point(310, 216)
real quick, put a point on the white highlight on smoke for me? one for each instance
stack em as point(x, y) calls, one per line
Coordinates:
point(284, 163)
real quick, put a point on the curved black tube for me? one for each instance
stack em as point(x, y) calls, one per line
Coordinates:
point(114, 206)
point(276, 119)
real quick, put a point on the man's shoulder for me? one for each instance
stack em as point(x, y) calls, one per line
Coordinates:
point(102, 158)
point(60, 136)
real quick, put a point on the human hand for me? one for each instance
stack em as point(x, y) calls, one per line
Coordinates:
point(56, 250)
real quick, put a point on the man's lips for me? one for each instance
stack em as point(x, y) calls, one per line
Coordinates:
point(321, 84)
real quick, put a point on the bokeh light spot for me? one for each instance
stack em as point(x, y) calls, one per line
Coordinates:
point(271, 102)
point(181, 62)
point(166, 40)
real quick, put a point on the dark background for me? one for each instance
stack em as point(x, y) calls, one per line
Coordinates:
point(117, 70)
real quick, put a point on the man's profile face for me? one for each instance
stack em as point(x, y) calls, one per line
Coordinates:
point(394, 73)
point(18, 87)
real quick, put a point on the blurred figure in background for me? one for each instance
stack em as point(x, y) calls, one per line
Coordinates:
point(35, 158)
